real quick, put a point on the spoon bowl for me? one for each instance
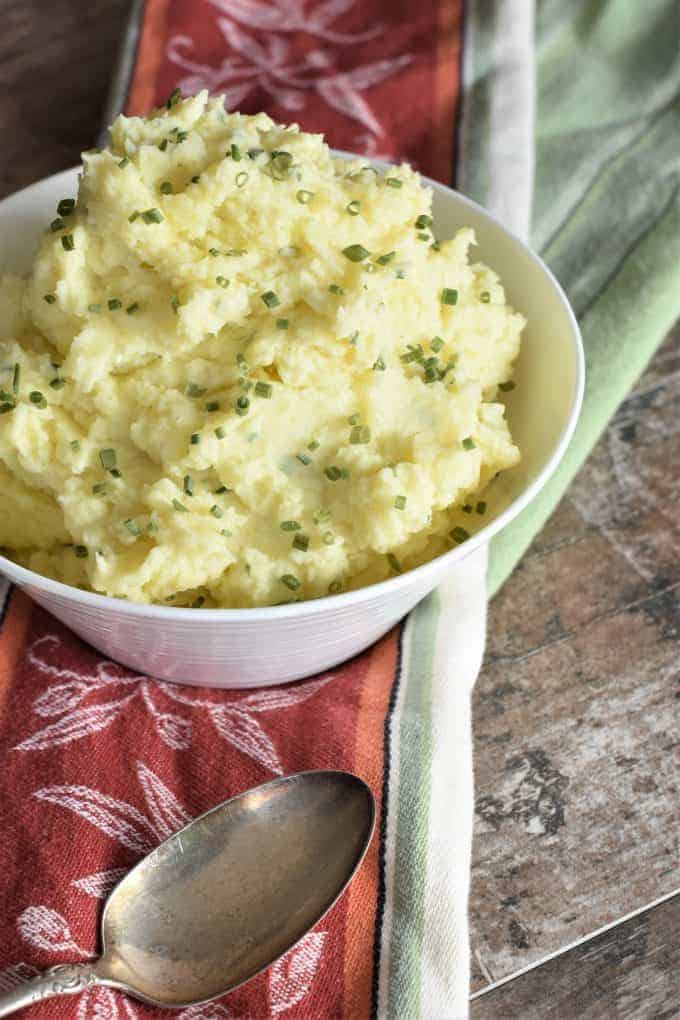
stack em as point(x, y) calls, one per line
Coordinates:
point(226, 896)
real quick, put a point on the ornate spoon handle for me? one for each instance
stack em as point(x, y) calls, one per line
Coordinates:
point(65, 979)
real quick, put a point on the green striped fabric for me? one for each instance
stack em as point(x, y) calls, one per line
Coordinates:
point(606, 204)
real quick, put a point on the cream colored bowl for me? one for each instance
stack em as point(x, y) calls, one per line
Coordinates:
point(252, 647)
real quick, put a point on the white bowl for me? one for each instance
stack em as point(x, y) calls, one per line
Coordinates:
point(253, 647)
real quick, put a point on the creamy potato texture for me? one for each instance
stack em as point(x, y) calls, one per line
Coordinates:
point(242, 371)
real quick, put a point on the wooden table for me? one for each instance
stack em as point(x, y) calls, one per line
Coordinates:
point(576, 710)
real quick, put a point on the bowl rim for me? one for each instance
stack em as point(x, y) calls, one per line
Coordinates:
point(150, 610)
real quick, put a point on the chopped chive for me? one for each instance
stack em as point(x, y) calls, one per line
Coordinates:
point(115, 473)
point(422, 236)
point(179, 507)
point(384, 259)
point(242, 405)
point(216, 512)
point(400, 502)
point(394, 563)
point(314, 445)
point(37, 398)
point(459, 534)
point(67, 242)
point(354, 419)
point(192, 389)
point(220, 433)
point(436, 343)
point(321, 516)
point(181, 136)
point(335, 587)
point(304, 459)
point(235, 152)
point(344, 473)
point(280, 165)
point(423, 222)
point(195, 438)
point(290, 581)
point(226, 532)
point(222, 281)
point(467, 508)
point(469, 443)
point(328, 538)
point(335, 289)
point(304, 197)
point(131, 309)
point(198, 602)
point(212, 405)
point(332, 473)
point(481, 507)
point(66, 206)
point(221, 489)
point(393, 182)
point(282, 323)
point(50, 298)
point(355, 253)
point(16, 377)
point(241, 179)
point(133, 216)
point(114, 304)
point(506, 386)
point(94, 309)
point(435, 246)
point(263, 389)
point(107, 459)
point(57, 224)
point(290, 526)
point(175, 303)
point(485, 297)
point(353, 207)
point(173, 99)
point(80, 551)
point(57, 384)
point(379, 364)
point(301, 542)
point(195, 179)
point(214, 252)
point(163, 145)
point(254, 153)
point(353, 337)
point(132, 527)
point(235, 251)
point(400, 274)
point(123, 162)
point(152, 526)
point(99, 489)
point(188, 485)
point(152, 216)
point(6, 406)
point(449, 296)
point(166, 188)
point(360, 434)
point(270, 299)
point(75, 445)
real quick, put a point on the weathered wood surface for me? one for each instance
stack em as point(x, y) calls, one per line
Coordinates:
point(631, 972)
point(576, 711)
point(576, 746)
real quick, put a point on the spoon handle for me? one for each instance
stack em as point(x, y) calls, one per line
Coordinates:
point(65, 979)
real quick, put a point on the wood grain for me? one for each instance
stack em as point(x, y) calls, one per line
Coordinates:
point(631, 972)
point(576, 709)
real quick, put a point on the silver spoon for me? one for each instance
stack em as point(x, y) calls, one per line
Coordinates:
point(226, 896)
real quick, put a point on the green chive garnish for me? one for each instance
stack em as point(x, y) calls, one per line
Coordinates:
point(355, 253)
point(254, 153)
point(220, 433)
point(332, 473)
point(290, 526)
point(114, 304)
point(132, 527)
point(67, 242)
point(435, 246)
point(485, 297)
point(400, 502)
point(221, 489)
point(394, 563)
point(270, 299)
point(152, 216)
point(335, 587)
point(241, 179)
point(198, 602)
point(436, 344)
point(16, 377)
point(282, 323)
point(459, 534)
point(379, 364)
point(56, 225)
point(166, 188)
point(481, 507)
point(80, 551)
point(179, 506)
point(263, 389)
point(353, 337)
point(314, 445)
point(449, 296)
point(353, 207)
point(360, 434)
point(242, 405)
point(214, 252)
point(188, 485)
point(335, 289)
point(94, 309)
point(195, 179)
point(133, 216)
point(195, 438)
point(37, 398)
point(423, 222)
point(384, 259)
point(75, 445)
point(99, 489)
point(107, 458)
point(212, 405)
point(226, 532)
point(175, 303)
point(173, 99)
point(304, 197)
point(290, 581)
point(216, 512)
point(194, 390)
point(468, 443)
point(328, 538)
point(123, 162)
point(235, 152)
point(301, 542)
point(467, 508)
point(222, 281)
point(134, 307)
point(393, 182)
point(57, 384)
point(66, 206)
point(163, 145)
point(50, 298)
point(506, 386)
point(304, 459)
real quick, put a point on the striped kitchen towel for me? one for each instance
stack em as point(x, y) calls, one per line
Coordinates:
point(96, 764)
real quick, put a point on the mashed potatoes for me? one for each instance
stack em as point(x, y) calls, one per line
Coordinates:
point(243, 372)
